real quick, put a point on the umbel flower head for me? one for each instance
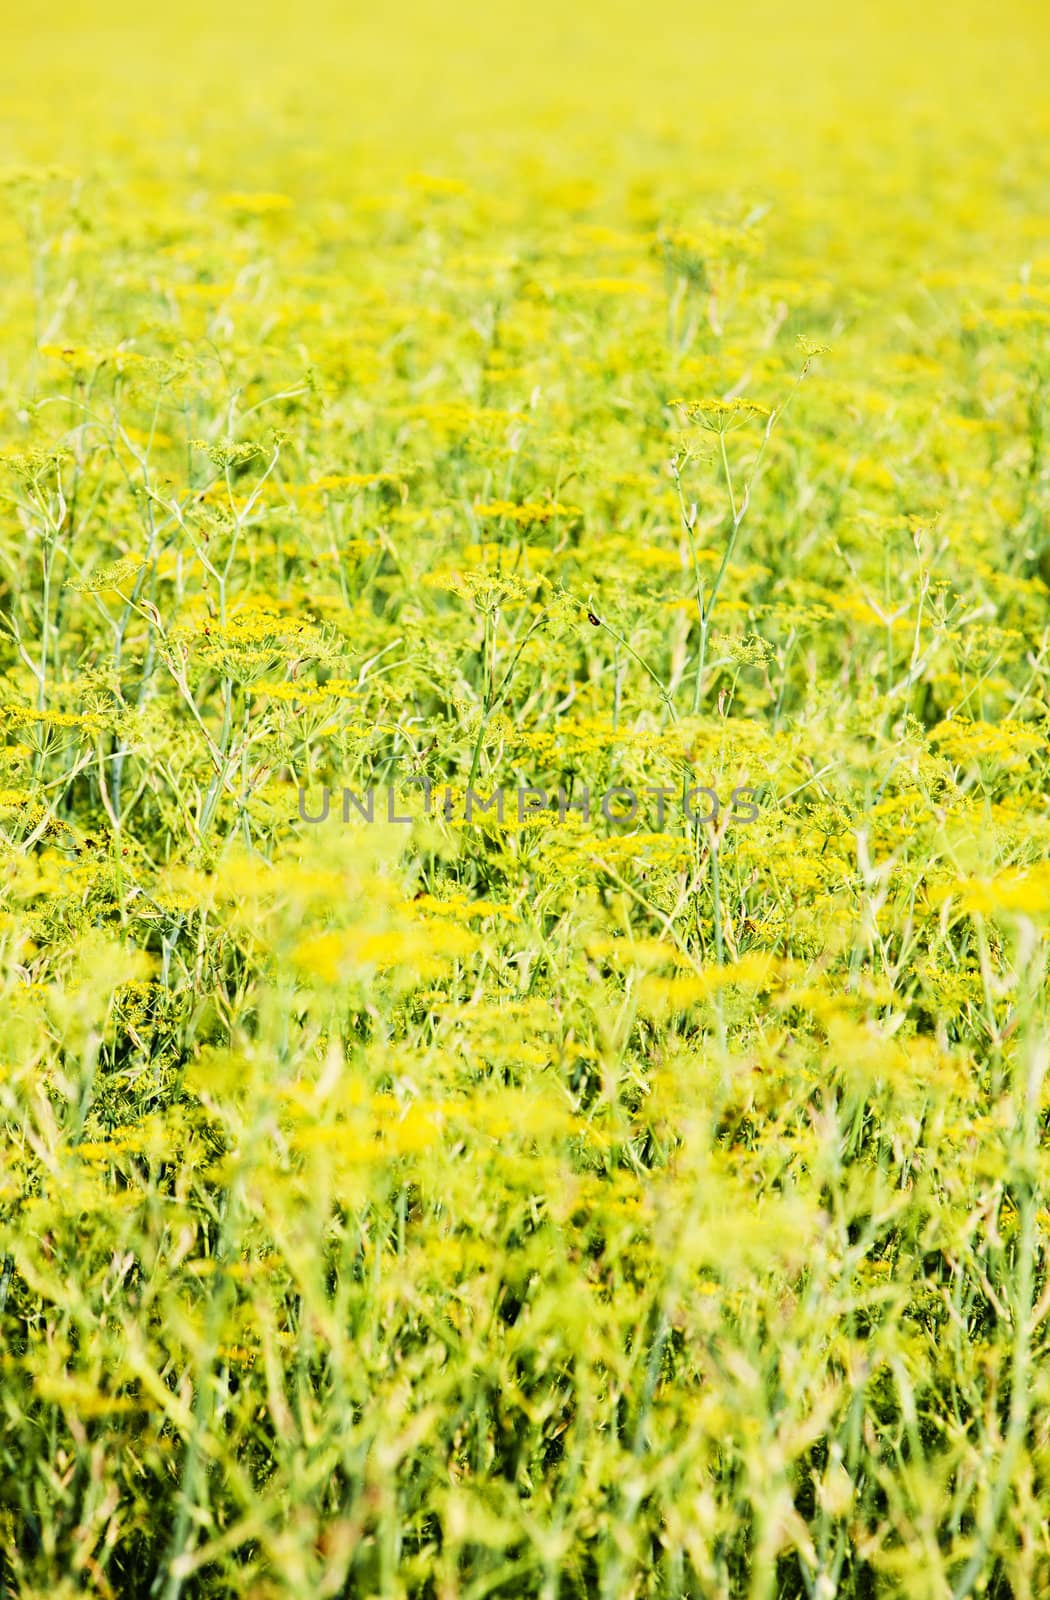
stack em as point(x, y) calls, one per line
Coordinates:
point(718, 416)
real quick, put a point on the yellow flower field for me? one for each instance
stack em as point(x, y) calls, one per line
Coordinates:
point(524, 874)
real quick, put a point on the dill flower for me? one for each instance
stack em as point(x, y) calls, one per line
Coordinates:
point(719, 416)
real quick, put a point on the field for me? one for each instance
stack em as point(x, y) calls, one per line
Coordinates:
point(524, 876)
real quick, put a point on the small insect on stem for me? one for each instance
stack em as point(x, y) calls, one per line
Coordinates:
point(597, 621)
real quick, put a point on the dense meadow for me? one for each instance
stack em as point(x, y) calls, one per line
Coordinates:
point(630, 1196)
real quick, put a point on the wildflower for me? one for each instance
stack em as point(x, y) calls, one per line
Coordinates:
point(719, 416)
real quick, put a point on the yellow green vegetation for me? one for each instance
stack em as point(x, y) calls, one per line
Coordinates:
point(571, 397)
